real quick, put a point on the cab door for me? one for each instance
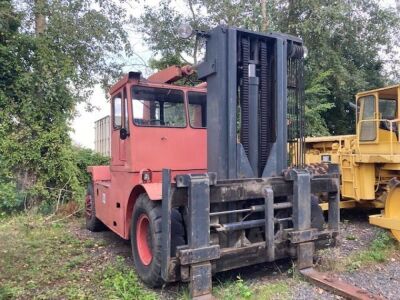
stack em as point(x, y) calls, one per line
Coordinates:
point(119, 111)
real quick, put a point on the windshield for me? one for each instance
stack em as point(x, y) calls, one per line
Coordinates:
point(158, 107)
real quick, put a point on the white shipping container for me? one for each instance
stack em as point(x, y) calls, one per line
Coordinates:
point(102, 136)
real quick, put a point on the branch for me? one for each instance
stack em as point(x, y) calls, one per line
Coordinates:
point(264, 22)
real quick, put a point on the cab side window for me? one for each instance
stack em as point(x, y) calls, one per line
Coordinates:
point(197, 109)
point(388, 109)
point(117, 111)
point(368, 124)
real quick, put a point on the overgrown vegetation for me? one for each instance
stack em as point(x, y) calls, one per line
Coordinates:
point(44, 260)
point(52, 52)
point(379, 251)
point(241, 290)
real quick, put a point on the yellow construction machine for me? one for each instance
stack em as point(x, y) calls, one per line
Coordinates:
point(369, 160)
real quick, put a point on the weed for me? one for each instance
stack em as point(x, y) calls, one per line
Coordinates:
point(233, 290)
point(350, 237)
point(293, 272)
point(243, 289)
point(122, 283)
point(380, 248)
point(7, 293)
point(89, 244)
point(278, 290)
point(239, 290)
point(40, 260)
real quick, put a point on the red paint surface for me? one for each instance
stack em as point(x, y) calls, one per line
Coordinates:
point(116, 187)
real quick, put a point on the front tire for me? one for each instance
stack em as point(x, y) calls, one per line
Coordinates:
point(146, 238)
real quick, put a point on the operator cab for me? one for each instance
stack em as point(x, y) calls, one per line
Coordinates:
point(378, 118)
point(157, 125)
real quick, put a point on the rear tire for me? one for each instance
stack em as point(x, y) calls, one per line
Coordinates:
point(92, 223)
point(146, 238)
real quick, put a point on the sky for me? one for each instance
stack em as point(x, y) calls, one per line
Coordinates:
point(83, 124)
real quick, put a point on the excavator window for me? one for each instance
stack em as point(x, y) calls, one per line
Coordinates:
point(158, 107)
point(368, 124)
point(197, 109)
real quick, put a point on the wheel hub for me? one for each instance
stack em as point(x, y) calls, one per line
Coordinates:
point(143, 238)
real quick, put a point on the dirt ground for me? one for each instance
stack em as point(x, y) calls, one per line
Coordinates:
point(365, 256)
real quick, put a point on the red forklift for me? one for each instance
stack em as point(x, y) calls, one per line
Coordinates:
point(200, 179)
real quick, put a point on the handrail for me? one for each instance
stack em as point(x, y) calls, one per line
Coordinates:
point(377, 135)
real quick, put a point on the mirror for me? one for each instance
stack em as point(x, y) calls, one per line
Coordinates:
point(123, 133)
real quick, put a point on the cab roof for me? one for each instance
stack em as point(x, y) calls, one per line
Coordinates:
point(389, 91)
point(135, 77)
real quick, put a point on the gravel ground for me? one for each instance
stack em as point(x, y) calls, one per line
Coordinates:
point(356, 235)
point(380, 279)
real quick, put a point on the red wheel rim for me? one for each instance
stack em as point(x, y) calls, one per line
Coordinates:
point(88, 202)
point(142, 239)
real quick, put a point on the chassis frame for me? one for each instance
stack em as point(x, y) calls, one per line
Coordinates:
point(200, 258)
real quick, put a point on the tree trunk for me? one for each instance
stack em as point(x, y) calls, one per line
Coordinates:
point(40, 18)
point(291, 17)
point(265, 23)
point(196, 43)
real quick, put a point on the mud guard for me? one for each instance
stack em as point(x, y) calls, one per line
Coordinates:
point(99, 173)
point(153, 190)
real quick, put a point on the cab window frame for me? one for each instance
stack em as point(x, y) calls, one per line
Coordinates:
point(181, 92)
point(362, 118)
point(188, 110)
point(395, 108)
point(120, 96)
point(125, 120)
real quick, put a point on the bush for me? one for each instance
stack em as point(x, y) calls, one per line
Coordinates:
point(10, 199)
point(67, 183)
point(84, 158)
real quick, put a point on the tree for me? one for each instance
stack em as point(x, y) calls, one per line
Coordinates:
point(159, 26)
point(52, 54)
point(345, 39)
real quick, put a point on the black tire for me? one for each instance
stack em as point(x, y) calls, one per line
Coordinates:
point(92, 223)
point(317, 215)
point(150, 273)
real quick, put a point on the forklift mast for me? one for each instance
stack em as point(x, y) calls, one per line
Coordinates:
point(255, 80)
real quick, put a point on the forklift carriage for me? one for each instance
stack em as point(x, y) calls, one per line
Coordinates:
point(250, 204)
